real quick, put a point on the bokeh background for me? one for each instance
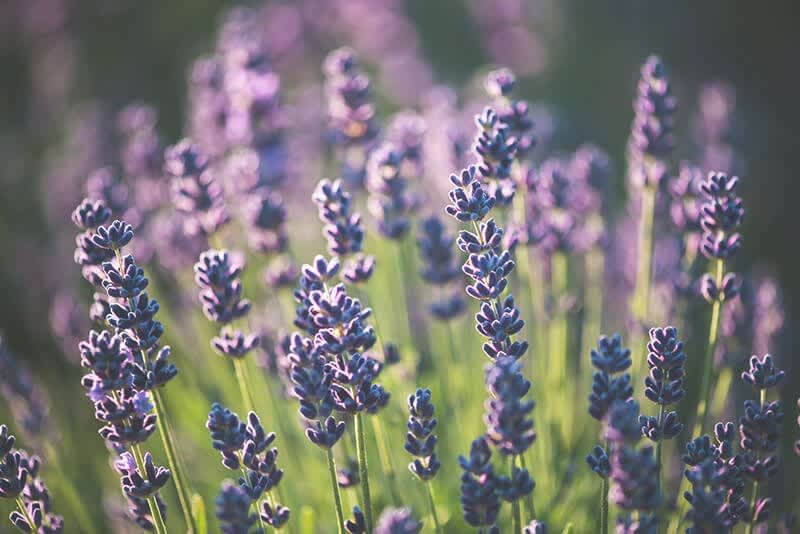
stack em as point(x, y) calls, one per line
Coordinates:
point(68, 65)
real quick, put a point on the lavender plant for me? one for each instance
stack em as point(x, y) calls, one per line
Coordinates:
point(127, 368)
point(19, 480)
point(244, 447)
point(535, 234)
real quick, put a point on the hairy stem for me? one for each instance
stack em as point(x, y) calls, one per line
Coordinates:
point(529, 497)
point(175, 465)
point(337, 498)
point(659, 445)
point(604, 501)
point(644, 269)
point(167, 439)
point(431, 501)
point(363, 471)
point(385, 458)
point(24, 511)
point(516, 517)
point(244, 388)
point(708, 367)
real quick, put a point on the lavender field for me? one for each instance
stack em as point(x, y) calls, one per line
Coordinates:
point(386, 266)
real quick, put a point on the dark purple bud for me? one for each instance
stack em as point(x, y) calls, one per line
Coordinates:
point(598, 461)
point(90, 214)
point(762, 374)
point(357, 525)
point(275, 516)
point(397, 521)
point(233, 509)
point(114, 236)
point(325, 435)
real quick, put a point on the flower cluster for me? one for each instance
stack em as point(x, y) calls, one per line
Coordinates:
point(397, 521)
point(710, 476)
point(633, 470)
point(195, 190)
point(389, 202)
point(343, 229)
point(439, 268)
point(720, 216)
point(480, 499)
point(508, 424)
point(718, 474)
point(233, 510)
point(495, 147)
point(651, 133)
point(514, 114)
point(610, 358)
point(126, 365)
point(562, 208)
point(759, 430)
point(25, 398)
point(664, 383)
point(420, 439)
point(329, 368)
point(19, 480)
point(244, 447)
point(217, 275)
point(351, 112)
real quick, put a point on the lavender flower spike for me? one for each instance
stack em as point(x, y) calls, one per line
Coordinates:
point(420, 440)
point(20, 481)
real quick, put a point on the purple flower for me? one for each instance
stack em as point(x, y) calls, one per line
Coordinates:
point(664, 383)
point(217, 275)
point(721, 215)
point(496, 149)
point(508, 423)
point(194, 189)
point(651, 133)
point(762, 373)
point(141, 484)
point(233, 509)
point(420, 439)
point(469, 201)
point(90, 214)
point(114, 236)
point(397, 521)
point(480, 501)
point(389, 201)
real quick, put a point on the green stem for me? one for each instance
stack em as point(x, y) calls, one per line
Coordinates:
point(708, 368)
point(167, 440)
point(255, 503)
point(659, 445)
point(24, 510)
point(604, 501)
point(175, 465)
point(404, 328)
point(529, 497)
point(516, 518)
point(241, 378)
point(337, 498)
point(436, 525)
point(385, 458)
point(644, 268)
point(363, 472)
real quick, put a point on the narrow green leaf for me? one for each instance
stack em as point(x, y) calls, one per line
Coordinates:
point(199, 514)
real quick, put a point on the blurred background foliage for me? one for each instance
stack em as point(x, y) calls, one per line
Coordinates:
point(63, 58)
